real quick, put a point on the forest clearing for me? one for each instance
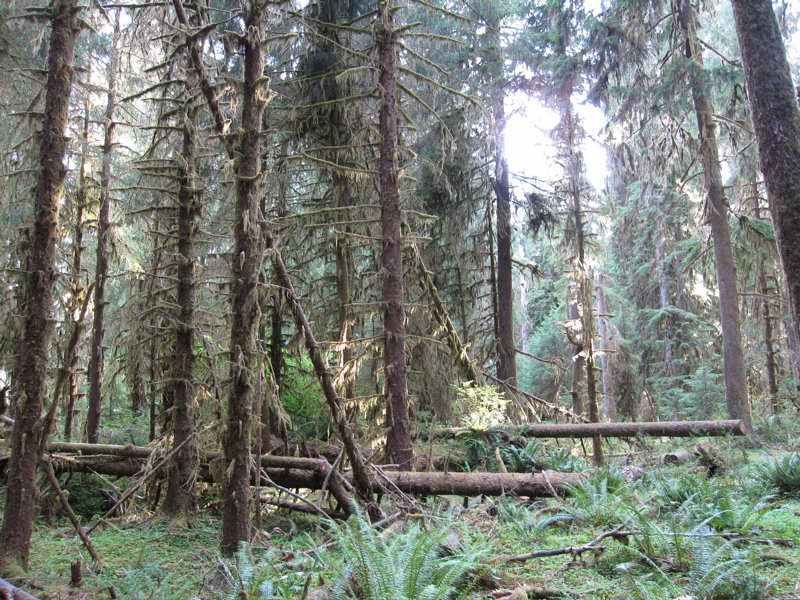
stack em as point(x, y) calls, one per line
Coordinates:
point(280, 321)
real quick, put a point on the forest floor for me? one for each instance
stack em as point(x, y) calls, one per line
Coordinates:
point(678, 533)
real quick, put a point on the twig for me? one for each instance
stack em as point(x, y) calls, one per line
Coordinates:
point(328, 475)
point(316, 509)
point(51, 477)
point(591, 546)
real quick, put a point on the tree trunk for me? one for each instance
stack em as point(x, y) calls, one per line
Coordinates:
point(247, 257)
point(609, 408)
point(398, 439)
point(31, 370)
point(76, 277)
point(180, 502)
point(97, 361)
point(732, 354)
point(776, 119)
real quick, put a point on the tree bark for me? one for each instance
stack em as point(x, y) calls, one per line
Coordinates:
point(398, 439)
point(180, 502)
point(732, 354)
point(97, 360)
point(776, 119)
point(247, 257)
point(13, 593)
point(31, 371)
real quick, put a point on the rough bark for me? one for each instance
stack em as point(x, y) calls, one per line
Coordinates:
point(180, 501)
point(31, 371)
point(247, 258)
point(732, 354)
point(398, 438)
point(97, 360)
point(776, 120)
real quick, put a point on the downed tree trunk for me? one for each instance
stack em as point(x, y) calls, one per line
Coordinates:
point(12, 592)
point(679, 457)
point(487, 484)
point(306, 473)
point(587, 430)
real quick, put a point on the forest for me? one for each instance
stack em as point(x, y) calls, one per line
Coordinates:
point(285, 316)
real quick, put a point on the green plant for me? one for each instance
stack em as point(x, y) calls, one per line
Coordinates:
point(782, 473)
point(151, 582)
point(711, 570)
point(563, 461)
point(249, 579)
point(603, 499)
point(524, 460)
point(414, 564)
point(524, 523)
point(482, 407)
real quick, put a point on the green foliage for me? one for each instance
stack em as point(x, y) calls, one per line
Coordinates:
point(782, 473)
point(414, 564)
point(88, 496)
point(710, 569)
point(151, 582)
point(526, 523)
point(252, 580)
point(301, 396)
point(524, 460)
point(699, 398)
point(481, 407)
point(696, 500)
point(602, 500)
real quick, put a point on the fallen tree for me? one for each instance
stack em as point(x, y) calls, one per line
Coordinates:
point(619, 430)
point(309, 473)
point(12, 592)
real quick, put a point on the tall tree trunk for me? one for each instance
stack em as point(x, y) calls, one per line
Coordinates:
point(732, 354)
point(578, 361)
point(180, 502)
point(609, 408)
point(78, 288)
point(776, 119)
point(97, 361)
point(31, 370)
point(398, 440)
point(247, 261)
point(663, 286)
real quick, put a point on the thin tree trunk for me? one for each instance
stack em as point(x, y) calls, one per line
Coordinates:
point(733, 356)
point(398, 440)
point(609, 407)
point(180, 502)
point(97, 361)
point(776, 119)
point(31, 371)
point(78, 289)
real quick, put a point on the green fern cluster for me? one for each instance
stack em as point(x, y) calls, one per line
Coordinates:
point(412, 565)
point(782, 473)
point(603, 499)
point(711, 570)
point(251, 579)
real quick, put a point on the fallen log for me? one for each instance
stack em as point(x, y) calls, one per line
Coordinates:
point(486, 484)
point(309, 476)
point(620, 430)
point(12, 592)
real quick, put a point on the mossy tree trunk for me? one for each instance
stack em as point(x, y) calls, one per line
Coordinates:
point(732, 354)
point(31, 371)
point(776, 119)
point(398, 440)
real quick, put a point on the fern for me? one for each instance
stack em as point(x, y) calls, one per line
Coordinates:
point(415, 564)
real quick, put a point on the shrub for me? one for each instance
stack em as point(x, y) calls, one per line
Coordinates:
point(782, 473)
